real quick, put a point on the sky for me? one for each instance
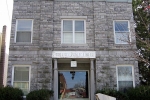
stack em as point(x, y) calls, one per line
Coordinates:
point(5, 13)
point(5, 16)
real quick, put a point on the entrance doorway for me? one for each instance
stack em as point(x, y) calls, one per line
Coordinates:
point(73, 85)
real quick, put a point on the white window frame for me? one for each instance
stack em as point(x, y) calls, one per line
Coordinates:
point(16, 30)
point(12, 81)
point(73, 20)
point(133, 78)
point(129, 33)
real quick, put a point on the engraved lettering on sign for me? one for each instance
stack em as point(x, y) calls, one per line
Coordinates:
point(87, 54)
point(73, 54)
point(91, 54)
point(58, 54)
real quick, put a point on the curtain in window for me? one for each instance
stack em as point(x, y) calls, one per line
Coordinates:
point(123, 85)
point(79, 26)
point(24, 29)
point(67, 25)
point(125, 79)
point(67, 37)
point(79, 37)
point(67, 31)
point(122, 37)
point(21, 78)
point(122, 32)
point(73, 31)
point(79, 32)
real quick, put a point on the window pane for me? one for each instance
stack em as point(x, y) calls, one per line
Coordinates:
point(67, 25)
point(121, 26)
point(23, 37)
point(24, 25)
point(25, 91)
point(122, 38)
point(125, 73)
point(79, 26)
point(24, 86)
point(21, 74)
point(17, 84)
point(67, 37)
point(79, 37)
point(123, 85)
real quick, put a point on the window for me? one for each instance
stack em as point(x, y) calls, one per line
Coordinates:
point(24, 30)
point(124, 77)
point(121, 30)
point(73, 31)
point(21, 78)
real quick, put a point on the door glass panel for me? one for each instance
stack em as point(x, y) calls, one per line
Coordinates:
point(73, 85)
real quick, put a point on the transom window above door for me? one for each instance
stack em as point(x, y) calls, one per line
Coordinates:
point(73, 31)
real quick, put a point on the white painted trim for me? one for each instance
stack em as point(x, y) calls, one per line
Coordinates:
point(12, 80)
point(62, 22)
point(16, 30)
point(73, 26)
point(115, 34)
point(117, 77)
point(32, 31)
point(85, 31)
point(129, 27)
point(12, 74)
point(133, 77)
point(73, 17)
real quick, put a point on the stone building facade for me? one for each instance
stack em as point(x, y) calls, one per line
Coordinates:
point(90, 42)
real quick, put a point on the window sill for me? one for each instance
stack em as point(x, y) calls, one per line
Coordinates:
point(73, 17)
point(22, 43)
point(116, 46)
point(65, 44)
point(121, 43)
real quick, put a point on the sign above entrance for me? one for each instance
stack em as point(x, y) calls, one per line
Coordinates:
point(73, 54)
point(73, 63)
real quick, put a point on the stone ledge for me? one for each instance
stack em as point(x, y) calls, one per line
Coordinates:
point(73, 17)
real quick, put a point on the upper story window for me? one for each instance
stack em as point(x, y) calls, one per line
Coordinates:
point(21, 78)
point(73, 31)
point(121, 32)
point(24, 29)
point(124, 77)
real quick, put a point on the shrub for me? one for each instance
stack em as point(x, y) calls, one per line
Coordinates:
point(42, 94)
point(114, 93)
point(139, 93)
point(10, 93)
